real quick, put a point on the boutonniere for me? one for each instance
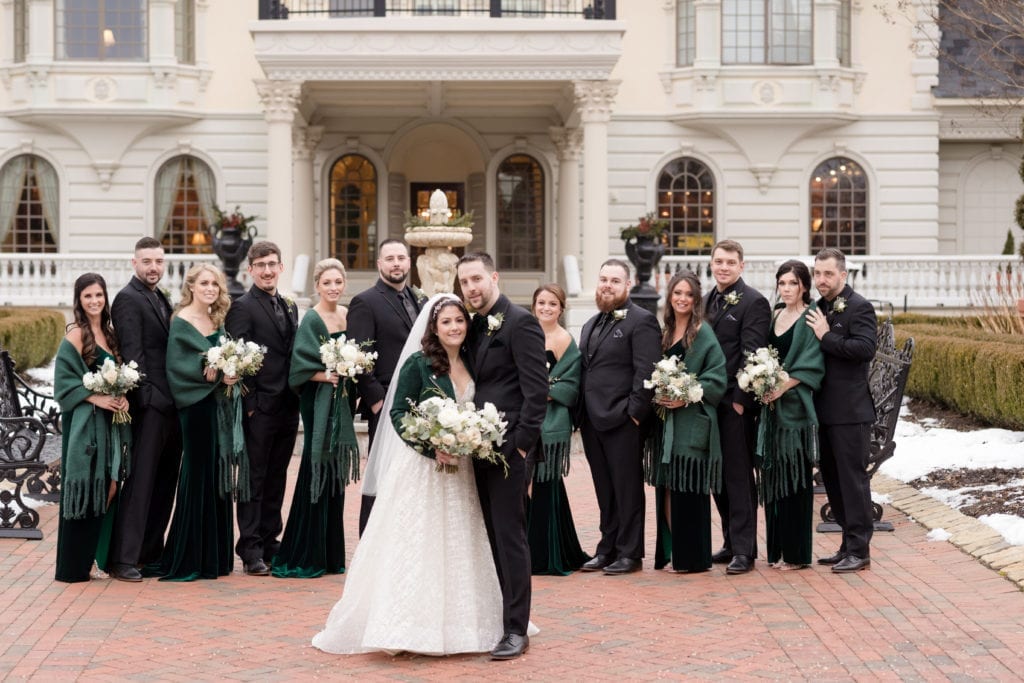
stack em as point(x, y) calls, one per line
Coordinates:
point(732, 298)
point(619, 314)
point(839, 305)
point(166, 292)
point(494, 323)
point(420, 295)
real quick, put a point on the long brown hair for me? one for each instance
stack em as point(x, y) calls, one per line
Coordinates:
point(82, 320)
point(696, 315)
point(219, 309)
point(432, 347)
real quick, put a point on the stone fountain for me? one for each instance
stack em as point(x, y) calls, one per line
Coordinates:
point(437, 265)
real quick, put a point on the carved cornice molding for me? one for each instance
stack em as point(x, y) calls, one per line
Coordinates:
point(280, 99)
point(414, 72)
point(595, 99)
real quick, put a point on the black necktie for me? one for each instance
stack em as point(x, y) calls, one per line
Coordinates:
point(479, 324)
point(279, 315)
point(410, 307)
point(602, 323)
point(716, 302)
point(162, 304)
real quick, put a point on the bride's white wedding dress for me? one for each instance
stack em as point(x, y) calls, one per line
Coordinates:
point(422, 578)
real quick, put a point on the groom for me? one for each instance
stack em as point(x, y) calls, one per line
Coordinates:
point(506, 354)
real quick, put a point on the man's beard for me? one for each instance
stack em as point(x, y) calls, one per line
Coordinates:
point(393, 279)
point(606, 306)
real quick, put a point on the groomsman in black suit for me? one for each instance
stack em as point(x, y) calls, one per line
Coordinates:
point(383, 315)
point(506, 354)
point(620, 346)
point(271, 423)
point(847, 327)
point(740, 316)
point(141, 315)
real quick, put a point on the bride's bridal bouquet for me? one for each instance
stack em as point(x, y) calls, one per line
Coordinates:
point(113, 379)
point(458, 430)
point(346, 358)
point(763, 374)
point(672, 382)
point(235, 358)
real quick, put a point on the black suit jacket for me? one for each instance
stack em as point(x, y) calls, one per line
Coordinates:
point(849, 347)
point(510, 369)
point(739, 328)
point(616, 361)
point(376, 316)
point(141, 328)
point(251, 317)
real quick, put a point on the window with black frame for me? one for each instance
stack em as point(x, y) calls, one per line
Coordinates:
point(686, 200)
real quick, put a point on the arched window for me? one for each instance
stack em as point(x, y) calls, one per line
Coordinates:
point(353, 211)
point(686, 199)
point(686, 33)
point(520, 230)
point(185, 197)
point(839, 206)
point(29, 206)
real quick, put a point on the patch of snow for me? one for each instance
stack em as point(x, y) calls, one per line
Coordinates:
point(937, 535)
point(1010, 526)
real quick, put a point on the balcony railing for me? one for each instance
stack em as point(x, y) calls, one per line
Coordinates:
point(539, 9)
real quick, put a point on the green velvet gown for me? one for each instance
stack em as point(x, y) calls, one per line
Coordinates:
point(200, 541)
point(313, 543)
point(80, 542)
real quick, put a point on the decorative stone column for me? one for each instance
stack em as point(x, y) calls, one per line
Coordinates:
point(568, 142)
point(594, 100)
point(304, 142)
point(280, 99)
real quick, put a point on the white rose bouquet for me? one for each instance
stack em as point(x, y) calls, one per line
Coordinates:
point(458, 430)
point(235, 358)
point(763, 374)
point(114, 379)
point(672, 382)
point(346, 358)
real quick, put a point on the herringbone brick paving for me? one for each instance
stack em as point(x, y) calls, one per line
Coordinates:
point(926, 611)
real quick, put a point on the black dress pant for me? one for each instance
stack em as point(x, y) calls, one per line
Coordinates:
point(147, 498)
point(616, 465)
point(737, 501)
point(270, 441)
point(843, 453)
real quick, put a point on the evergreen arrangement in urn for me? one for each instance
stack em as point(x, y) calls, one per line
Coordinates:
point(647, 226)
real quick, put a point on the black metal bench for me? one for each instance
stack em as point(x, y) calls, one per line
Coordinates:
point(29, 452)
point(888, 380)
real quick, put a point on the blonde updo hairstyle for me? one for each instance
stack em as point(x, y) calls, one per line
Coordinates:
point(328, 264)
point(219, 309)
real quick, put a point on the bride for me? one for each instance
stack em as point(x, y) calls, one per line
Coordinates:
point(422, 578)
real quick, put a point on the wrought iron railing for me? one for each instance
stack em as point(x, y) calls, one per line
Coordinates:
point(340, 9)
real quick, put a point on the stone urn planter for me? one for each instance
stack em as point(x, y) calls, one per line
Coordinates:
point(644, 249)
point(436, 266)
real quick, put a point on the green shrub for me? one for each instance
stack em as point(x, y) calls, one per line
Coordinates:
point(969, 370)
point(31, 335)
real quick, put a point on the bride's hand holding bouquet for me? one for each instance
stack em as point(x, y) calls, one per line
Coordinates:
point(453, 431)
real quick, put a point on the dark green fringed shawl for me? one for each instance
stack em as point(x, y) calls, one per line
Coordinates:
point(787, 436)
point(556, 432)
point(685, 454)
point(186, 349)
point(88, 438)
point(334, 451)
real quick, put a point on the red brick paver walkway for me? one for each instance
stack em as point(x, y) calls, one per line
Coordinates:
point(926, 611)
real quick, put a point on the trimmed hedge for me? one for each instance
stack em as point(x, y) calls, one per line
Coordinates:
point(969, 370)
point(31, 335)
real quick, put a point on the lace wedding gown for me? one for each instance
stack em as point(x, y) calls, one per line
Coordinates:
point(422, 578)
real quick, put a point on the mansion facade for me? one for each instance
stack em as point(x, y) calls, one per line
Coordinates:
point(786, 124)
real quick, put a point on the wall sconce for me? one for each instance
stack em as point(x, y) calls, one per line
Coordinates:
point(108, 37)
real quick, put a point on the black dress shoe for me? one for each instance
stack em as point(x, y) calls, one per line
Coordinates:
point(851, 563)
point(510, 646)
point(257, 568)
point(125, 572)
point(598, 563)
point(741, 564)
point(833, 559)
point(723, 556)
point(624, 565)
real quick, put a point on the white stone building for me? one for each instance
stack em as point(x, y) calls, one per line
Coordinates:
point(785, 124)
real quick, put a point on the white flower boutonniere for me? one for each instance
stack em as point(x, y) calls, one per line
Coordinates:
point(619, 314)
point(732, 298)
point(420, 295)
point(839, 305)
point(494, 323)
point(289, 302)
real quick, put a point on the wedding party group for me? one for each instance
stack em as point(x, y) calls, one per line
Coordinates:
point(180, 421)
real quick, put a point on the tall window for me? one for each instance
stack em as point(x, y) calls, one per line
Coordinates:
point(353, 211)
point(843, 53)
point(29, 205)
point(20, 30)
point(185, 197)
point(767, 31)
point(686, 32)
point(520, 230)
point(839, 206)
point(101, 29)
point(185, 31)
point(686, 199)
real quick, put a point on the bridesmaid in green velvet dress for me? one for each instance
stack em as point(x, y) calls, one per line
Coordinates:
point(683, 458)
point(787, 438)
point(314, 537)
point(199, 543)
point(554, 546)
point(88, 485)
